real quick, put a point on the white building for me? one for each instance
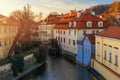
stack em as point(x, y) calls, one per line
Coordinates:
point(73, 26)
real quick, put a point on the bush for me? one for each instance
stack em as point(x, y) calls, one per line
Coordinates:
point(40, 54)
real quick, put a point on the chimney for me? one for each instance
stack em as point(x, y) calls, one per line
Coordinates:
point(79, 13)
point(93, 13)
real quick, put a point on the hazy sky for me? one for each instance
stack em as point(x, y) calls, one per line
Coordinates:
point(46, 6)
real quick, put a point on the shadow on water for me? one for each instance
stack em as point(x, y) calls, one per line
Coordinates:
point(59, 69)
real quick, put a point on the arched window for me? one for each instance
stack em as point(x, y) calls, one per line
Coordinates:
point(100, 24)
point(89, 24)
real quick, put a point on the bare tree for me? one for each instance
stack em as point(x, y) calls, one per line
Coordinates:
point(25, 19)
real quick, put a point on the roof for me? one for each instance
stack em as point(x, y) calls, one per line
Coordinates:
point(6, 24)
point(81, 21)
point(91, 38)
point(2, 16)
point(112, 32)
point(52, 18)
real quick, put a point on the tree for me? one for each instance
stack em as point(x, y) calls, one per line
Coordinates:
point(25, 19)
point(41, 54)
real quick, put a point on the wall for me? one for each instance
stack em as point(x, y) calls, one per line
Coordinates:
point(103, 71)
point(113, 43)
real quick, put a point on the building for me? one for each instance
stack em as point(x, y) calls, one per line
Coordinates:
point(107, 53)
point(8, 32)
point(47, 25)
point(7, 36)
point(85, 50)
point(73, 27)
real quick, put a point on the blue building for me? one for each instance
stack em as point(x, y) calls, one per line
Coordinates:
point(85, 49)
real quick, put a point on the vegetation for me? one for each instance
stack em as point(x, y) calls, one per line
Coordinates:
point(26, 19)
point(99, 9)
point(40, 54)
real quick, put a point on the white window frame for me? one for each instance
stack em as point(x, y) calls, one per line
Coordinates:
point(70, 24)
point(74, 24)
point(100, 24)
point(89, 24)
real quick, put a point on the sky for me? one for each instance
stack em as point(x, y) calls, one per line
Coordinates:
point(47, 6)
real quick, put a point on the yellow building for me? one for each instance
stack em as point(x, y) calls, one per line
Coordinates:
point(7, 35)
point(107, 54)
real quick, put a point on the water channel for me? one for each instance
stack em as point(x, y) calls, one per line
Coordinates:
point(60, 69)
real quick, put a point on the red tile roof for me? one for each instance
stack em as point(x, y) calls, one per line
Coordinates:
point(81, 21)
point(112, 32)
point(91, 38)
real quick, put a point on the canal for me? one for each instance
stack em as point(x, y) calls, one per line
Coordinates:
point(60, 69)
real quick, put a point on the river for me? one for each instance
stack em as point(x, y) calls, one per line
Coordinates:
point(60, 69)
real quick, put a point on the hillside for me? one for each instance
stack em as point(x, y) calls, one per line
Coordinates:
point(98, 9)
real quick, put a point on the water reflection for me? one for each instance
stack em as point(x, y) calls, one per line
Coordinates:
point(59, 69)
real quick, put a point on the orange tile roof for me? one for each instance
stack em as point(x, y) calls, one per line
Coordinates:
point(52, 19)
point(112, 32)
point(81, 21)
point(91, 38)
point(2, 16)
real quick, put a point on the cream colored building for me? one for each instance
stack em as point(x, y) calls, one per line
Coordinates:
point(46, 27)
point(45, 31)
point(107, 55)
point(7, 35)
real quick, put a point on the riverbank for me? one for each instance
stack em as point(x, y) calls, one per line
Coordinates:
point(9, 75)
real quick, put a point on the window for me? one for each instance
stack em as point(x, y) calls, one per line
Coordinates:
point(0, 43)
point(56, 37)
point(69, 32)
point(105, 55)
point(84, 32)
point(0, 30)
point(97, 31)
point(74, 32)
point(64, 40)
point(69, 41)
point(61, 39)
point(116, 55)
point(89, 24)
point(74, 24)
point(93, 32)
point(98, 49)
point(70, 24)
point(4, 54)
point(64, 32)
point(116, 60)
point(100, 24)
point(73, 42)
point(5, 43)
point(4, 30)
point(110, 57)
point(105, 52)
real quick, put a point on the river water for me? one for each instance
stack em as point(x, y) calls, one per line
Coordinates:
point(60, 69)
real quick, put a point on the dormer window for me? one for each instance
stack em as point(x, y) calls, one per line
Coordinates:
point(74, 24)
point(89, 24)
point(100, 24)
point(70, 24)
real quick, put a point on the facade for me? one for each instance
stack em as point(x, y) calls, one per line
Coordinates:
point(8, 32)
point(86, 49)
point(7, 36)
point(72, 28)
point(107, 58)
point(47, 25)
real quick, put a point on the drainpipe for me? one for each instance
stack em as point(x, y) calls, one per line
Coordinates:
point(82, 53)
